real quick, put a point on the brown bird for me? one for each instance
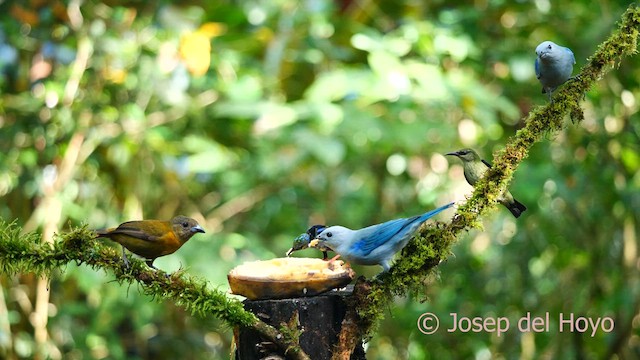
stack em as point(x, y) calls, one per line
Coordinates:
point(152, 238)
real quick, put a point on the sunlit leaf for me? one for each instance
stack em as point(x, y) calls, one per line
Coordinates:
point(630, 159)
point(195, 51)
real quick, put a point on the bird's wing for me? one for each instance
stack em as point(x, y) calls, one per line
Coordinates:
point(301, 242)
point(537, 68)
point(572, 56)
point(315, 230)
point(129, 229)
point(486, 163)
point(377, 235)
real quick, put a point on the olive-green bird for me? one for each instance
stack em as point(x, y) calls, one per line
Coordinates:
point(152, 238)
point(475, 167)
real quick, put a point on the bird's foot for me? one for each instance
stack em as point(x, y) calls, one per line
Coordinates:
point(150, 264)
point(125, 260)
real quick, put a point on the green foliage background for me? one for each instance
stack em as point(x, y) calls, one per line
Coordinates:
point(315, 112)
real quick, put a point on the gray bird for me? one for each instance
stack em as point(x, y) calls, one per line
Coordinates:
point(554, 65)
point(475, 167)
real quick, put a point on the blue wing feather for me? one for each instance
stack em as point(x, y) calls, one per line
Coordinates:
point(377, 235)
point(573, 58)
point(537, 68)
point(381, 234)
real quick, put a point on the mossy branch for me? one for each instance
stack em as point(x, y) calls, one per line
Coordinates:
point(433, 243)
point(26, 253)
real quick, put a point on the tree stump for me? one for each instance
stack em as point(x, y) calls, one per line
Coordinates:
point(319, 317)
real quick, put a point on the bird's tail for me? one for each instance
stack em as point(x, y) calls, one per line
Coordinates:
point(516, 208)
point(103, 232)
point(434, 212)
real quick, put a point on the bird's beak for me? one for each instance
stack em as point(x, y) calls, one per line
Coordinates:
point(314, 243)
point(197, 229)
point(289, 252)
point(455, 153)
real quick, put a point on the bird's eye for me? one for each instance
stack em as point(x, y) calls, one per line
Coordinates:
point(185, 224)
point(329, 234)
point(549, 46)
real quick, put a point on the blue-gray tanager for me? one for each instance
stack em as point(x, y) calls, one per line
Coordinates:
point(554, 65)
point(375, 244)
